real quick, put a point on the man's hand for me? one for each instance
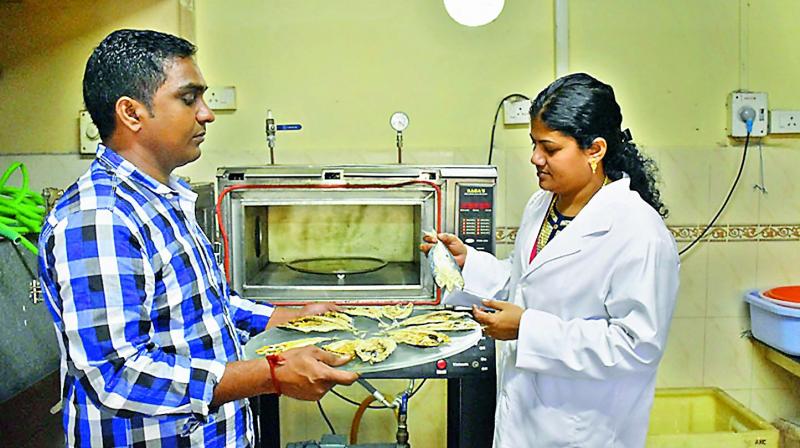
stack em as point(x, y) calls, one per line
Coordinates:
point(453, 244)
point(282, 314)
point(502, 324)
point(306, 373)
point(317, 308)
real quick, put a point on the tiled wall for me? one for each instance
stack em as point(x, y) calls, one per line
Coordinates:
point(706, 347)
point(755, 244)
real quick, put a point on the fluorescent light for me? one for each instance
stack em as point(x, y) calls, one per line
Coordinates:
point(474, 12)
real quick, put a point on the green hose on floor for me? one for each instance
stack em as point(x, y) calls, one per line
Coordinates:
point(21, 210)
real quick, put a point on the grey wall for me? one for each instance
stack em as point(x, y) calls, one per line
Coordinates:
point(28, 346)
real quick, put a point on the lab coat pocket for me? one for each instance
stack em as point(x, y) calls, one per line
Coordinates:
point(593, 430)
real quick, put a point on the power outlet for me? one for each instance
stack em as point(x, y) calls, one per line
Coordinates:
point(516, 112)
point(90, 136)
point(739, 101)
point(221, 98)
point(784, 122)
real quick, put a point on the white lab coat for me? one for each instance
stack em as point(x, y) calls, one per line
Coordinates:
point(598, 302)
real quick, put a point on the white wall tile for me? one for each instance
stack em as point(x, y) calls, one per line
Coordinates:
point(685, 185)
point(731, 272)
point(683, 361)
point(781, 204)
point(693, 291)
point(728, 356)
point(778, 264)
point(743, 205)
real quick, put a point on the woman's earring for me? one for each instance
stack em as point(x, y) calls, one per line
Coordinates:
point(593, 164)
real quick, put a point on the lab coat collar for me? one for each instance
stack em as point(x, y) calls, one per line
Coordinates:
point(594, 220)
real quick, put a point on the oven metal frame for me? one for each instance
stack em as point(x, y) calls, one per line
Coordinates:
point(471, 391)
point(432, 189)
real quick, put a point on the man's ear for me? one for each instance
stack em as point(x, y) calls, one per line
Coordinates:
point(598, 148)
point(129, 113)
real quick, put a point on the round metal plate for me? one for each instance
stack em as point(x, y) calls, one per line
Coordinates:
point(337, 266)
point(403, 357)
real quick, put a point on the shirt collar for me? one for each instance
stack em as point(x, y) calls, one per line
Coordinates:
point(124, 168)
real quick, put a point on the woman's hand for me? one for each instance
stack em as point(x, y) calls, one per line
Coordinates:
point(502, 324)
point(451, 242)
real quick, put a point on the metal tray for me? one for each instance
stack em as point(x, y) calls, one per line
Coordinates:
point(403, 357)
point(337, 266)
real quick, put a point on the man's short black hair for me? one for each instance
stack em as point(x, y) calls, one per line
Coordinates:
point(128, 63)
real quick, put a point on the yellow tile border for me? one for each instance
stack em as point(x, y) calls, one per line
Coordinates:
point(717, 234)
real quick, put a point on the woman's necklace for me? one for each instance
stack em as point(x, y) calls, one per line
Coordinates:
point(553, 223)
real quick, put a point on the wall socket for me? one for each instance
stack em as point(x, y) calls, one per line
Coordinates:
point(740, 100)
point(784, 122)
point(90, 136)
point(221, 98)
point(516, 112)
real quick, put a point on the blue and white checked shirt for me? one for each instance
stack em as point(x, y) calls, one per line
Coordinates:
point(144, 317)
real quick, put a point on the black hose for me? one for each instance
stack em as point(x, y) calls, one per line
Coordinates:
point(325, 417)
point(416, 389)
point(494, 122)
point(724, 203)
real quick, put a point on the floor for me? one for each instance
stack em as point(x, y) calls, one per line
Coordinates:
point(25, 419)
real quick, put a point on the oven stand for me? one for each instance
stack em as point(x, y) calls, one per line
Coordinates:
point(470, 411)
point(470, 414)
point(269, 422)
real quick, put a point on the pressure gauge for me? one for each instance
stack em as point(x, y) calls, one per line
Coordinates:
point(399, 121)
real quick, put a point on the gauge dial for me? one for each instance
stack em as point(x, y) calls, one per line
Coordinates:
point(399, 121)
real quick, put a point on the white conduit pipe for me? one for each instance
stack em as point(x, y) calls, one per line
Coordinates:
point(561, 30)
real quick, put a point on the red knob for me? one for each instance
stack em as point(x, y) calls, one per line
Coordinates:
point(441, 364)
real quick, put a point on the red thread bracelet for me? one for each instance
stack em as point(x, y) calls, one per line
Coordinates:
point(275, 360)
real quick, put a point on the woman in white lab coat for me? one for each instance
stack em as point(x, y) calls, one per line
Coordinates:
point(582, 308)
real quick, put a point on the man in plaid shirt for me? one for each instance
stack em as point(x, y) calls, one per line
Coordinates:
point(150, 333)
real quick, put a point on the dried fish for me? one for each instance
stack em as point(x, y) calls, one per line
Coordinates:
point(372, 312)
point(275, 349)
point(446, 272)
point(394, 312)
point(346, 347)
point(331, 321)
point(464, 324)
point(339, 316)
point(433, 317)
point(374, 350)
point(399, 311)
point(418, 337)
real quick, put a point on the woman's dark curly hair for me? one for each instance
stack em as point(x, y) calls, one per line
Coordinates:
point(584, 108)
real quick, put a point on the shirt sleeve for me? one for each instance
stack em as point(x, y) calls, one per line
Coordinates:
point(249, 316)
point(104, 282)
point(632, 339)
point(485, 276)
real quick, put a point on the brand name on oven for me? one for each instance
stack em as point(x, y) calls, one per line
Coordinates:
point(475, 191)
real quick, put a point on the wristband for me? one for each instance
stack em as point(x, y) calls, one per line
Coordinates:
point(275, 360)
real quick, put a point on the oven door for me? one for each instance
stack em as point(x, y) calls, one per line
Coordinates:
point(296, 245)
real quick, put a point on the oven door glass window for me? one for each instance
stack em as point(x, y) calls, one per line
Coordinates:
point(337, 250)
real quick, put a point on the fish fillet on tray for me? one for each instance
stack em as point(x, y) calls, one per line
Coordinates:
point(331, 321)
